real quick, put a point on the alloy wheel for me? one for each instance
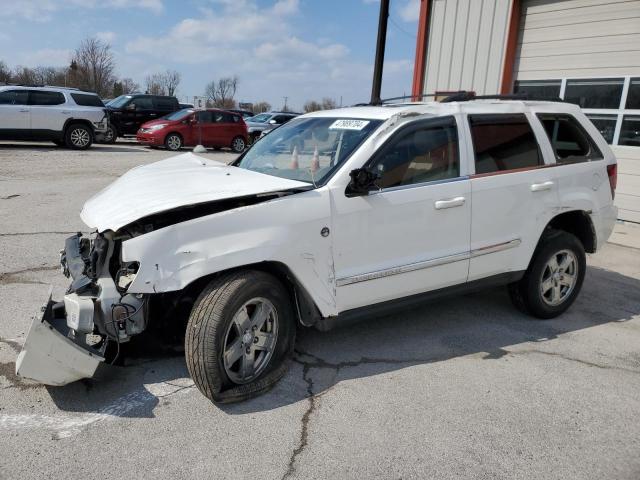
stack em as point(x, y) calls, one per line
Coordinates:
point(250, 340)
point(559, 278)
point(80, 137)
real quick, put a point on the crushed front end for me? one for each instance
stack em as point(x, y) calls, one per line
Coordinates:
point(69, 339)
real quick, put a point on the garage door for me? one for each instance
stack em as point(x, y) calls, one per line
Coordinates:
point(588, 52)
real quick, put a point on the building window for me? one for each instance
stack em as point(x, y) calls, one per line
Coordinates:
point(540, 89)
point(503, 142)
point(612, 104)
point(630, 131)
point(606, 125)
point(597, 93)
point(633, 97)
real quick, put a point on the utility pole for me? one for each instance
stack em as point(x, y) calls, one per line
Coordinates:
point(380, 45)
point(284, 109)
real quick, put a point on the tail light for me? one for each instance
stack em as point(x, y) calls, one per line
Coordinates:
point(612, 172)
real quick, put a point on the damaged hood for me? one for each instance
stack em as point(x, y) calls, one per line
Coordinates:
point(178, 181)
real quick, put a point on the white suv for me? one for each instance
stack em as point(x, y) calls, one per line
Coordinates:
point(65, 116)
point(337, 215)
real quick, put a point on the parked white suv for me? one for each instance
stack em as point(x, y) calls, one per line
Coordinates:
point(337, 215)
point(65, 116)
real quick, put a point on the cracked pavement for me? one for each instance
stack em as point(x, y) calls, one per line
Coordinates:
point(465, 387)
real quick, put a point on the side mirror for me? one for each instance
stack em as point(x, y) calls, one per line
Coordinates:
point(272, 122)
point(362, 182)
point(131, 106)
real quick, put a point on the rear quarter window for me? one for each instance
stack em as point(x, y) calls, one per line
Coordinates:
point(87, 100)
point(569, 140)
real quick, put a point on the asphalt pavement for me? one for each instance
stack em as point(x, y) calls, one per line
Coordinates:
point(465, 387)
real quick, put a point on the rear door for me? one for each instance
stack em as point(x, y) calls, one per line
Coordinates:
point(165, 105)
point(15, 118)
point(514, 194)
point(49, 113)
point(206, 130)
point(141, 112)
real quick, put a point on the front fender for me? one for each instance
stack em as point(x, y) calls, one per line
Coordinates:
point(285, 230)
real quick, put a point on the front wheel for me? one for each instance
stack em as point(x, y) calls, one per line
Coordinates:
point(78, 137)
point(554, 277)
point(173, 142)
point(110, 135)
point(240, 334)
point(238, 145)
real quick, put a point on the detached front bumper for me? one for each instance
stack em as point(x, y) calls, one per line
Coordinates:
point(50, 355)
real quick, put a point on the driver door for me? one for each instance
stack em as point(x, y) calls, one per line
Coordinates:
point(412, 234)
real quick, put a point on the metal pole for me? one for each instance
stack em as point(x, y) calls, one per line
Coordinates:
point(382, 40)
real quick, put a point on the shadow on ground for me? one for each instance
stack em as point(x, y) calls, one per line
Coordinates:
point(96, 148)
point(484, 323)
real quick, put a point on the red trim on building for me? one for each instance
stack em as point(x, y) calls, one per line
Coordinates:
point(506, 86)
point(421, 50)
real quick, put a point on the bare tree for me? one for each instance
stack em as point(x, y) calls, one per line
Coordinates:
point(95, 66)
point(260, 107)
point(153, 84)
point(128, 85)
point(311, 106)
point(5, 73)
point(170, 81)
point(326, 104)
point(220, 94)
point(24, 75)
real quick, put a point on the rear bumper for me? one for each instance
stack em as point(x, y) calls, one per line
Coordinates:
point(604, 221)
point(49, 355)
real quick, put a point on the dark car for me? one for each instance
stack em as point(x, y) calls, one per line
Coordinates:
point(128, 112)
point(245, 113)
point(211, 128)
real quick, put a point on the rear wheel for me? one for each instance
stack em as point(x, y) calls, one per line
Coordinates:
point(238, 145)
point(554, 277)
point(110, 135)
point(240, 334)
point(173, 142)
point(78, 136)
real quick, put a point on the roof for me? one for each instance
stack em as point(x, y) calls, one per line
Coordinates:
point(386, 111)
point(47, 88)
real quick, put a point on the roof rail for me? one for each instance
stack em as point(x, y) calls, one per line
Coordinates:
point(470, 96)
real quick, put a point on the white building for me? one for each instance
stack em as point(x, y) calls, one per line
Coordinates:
point(584, 51)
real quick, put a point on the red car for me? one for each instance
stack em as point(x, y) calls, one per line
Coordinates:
point(188, 127)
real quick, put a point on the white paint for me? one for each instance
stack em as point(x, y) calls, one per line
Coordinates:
point(65, 425)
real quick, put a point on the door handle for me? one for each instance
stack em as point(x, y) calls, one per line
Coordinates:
point(24, 110)
point(540, 187)
point(453, 202)
point(66, 112)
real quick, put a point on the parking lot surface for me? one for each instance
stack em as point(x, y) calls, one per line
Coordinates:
point(460, 388)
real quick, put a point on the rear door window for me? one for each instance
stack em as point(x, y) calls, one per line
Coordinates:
point(570, 142)
point(503, 142)
point(142, 103)
point(86, 100)
point(14, 97)
point(204, 116)
point(39, 97)
point(165, 103)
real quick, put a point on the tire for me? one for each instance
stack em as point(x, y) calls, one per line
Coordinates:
point(549, 288)
point(238, 144)
point(173, 142)
point(253, 137)
point(215, 327)
point(78, 136)
point(111, 136)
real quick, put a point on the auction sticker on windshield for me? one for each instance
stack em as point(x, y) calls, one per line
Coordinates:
point(346, 124)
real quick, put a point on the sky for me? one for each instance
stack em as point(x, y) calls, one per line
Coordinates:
point(302, 49)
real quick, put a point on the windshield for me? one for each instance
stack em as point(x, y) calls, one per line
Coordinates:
point(308, 149)
point(178, 114)
point(119, 102)
point(261, 118)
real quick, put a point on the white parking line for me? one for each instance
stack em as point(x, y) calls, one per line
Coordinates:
point(64, 425)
